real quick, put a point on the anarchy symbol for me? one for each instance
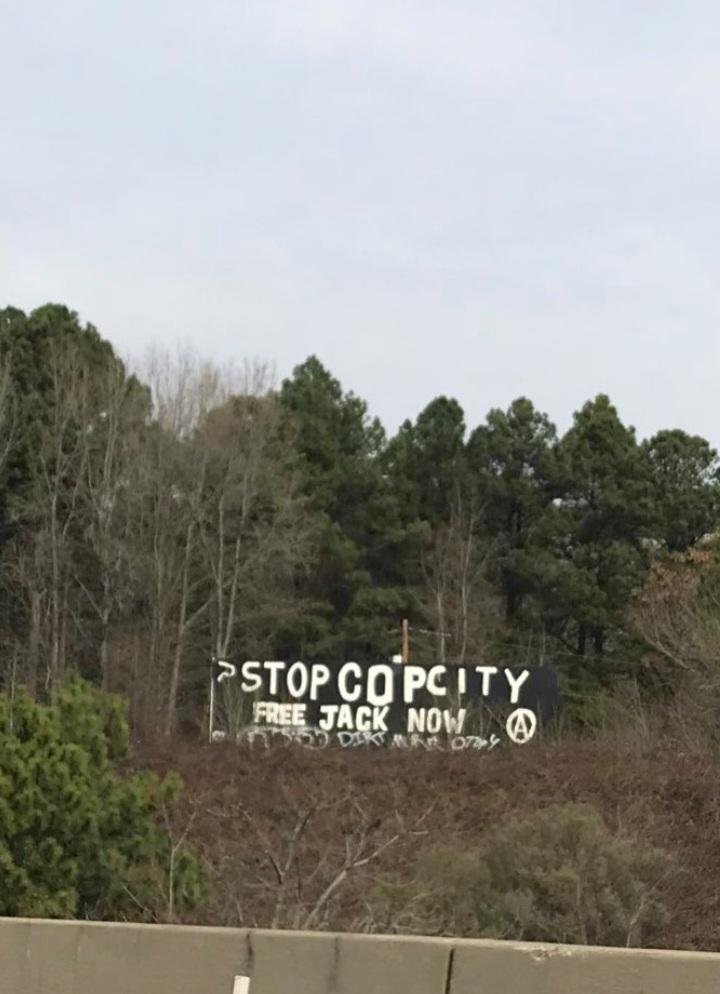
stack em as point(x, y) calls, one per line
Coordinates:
point(521, 725)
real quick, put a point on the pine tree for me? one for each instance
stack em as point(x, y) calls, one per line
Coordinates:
point(77, 839)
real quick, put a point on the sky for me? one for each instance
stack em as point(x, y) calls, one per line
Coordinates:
point(478, 198)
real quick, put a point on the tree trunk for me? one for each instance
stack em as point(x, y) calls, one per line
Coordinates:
point(34, 643)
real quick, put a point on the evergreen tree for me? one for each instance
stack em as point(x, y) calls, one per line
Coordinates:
point(426, 461)
point(354, 588)
point(31, 348)
point(685, 478)
point(512, 456)
point(595, 554)
point(76, 838)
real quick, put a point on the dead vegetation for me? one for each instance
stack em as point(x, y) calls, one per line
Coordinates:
point(301, 839)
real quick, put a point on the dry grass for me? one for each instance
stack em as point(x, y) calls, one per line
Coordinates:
point(295, 838)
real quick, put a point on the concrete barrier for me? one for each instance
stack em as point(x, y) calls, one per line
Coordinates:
point(39, 957)
point(481, 967)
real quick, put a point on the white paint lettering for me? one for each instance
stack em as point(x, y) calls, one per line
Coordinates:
point(345, 718)
point(413, 679)
point(435, 688)
point(515, 684)
point(228, 670)
point(379, 716)
point(363, 718)
point(454, 724)
point(274, 667)
point(374, 696)
point(284, 714)
point(271, 712)
point(433, 720)
point(328, 712)
point(319, 676)
point(297, 679)
point(416, 720)
point(487, 673)
point(251, 679)
point(346, 671)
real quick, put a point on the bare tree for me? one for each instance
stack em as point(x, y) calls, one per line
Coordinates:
point(459, 603)
point(298, 869)
point(221, 515)
point(112, 445)
point(677, 615)
point(254, 532)
point(160, 526)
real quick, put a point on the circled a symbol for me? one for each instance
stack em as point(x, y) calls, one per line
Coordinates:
point(521, 725)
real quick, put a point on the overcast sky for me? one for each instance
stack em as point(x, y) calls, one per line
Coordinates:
point(483, 199)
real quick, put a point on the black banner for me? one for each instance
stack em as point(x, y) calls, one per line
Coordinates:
point(381, 704)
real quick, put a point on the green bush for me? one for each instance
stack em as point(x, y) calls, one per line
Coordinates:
point(557, 876)
point(76, 838)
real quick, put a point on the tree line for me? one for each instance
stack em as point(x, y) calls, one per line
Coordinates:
point(154, 516)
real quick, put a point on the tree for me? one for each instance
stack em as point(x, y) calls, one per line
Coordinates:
point(76, 838)
point(512, 457)
point(220, 529)
point(460, 604)
point(31, 346)
point(167, 581)
point(355, 585)
point(255, 538)
point(677, 617)
point(595, 557)
point(102, 568)
point(685, 478)
point(425, 461)
point(60, 382)
point(446, 565)
point(556, 876)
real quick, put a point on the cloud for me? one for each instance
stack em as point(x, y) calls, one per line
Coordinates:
point(480, 198)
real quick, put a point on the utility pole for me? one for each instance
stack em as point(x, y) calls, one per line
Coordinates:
point(211, 717)
point(404, 655)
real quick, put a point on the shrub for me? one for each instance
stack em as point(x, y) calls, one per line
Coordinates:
point(558, 876)
point(77, 839)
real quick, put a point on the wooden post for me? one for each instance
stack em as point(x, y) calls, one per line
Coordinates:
point(405, 641)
